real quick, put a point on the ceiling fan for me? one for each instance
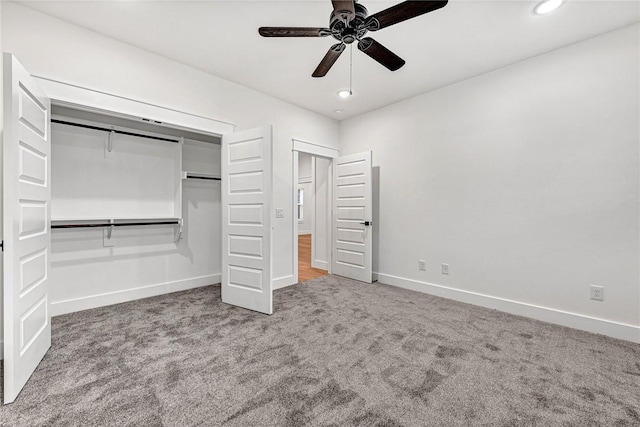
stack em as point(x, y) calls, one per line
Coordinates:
point(349, 22)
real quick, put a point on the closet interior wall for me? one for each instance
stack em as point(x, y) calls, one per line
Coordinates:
point(142, 172)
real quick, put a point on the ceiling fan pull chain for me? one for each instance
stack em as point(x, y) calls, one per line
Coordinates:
point(351, 69)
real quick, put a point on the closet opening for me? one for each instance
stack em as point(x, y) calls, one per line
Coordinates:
point(135, 209)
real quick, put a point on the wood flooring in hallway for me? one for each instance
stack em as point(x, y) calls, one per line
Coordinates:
point(305, 271)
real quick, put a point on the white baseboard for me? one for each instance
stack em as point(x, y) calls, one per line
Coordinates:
point(84, 303)
point(283, 282)
point(572, 320)
point(322, 265)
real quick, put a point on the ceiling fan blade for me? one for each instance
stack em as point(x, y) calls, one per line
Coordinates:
point(344, 9)
point(329, 59)
point(380, 53)
point(402, 12)
point(293, 32)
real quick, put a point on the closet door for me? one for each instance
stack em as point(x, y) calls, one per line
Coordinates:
point(26, 200)
point(246, 219)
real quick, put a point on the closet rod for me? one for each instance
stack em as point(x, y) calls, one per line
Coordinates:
point(122, 132)
point(209, 178)
point(115, 224)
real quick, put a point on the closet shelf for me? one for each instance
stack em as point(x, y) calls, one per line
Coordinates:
point(109, 224)
point(120, 222)
point(198, 175)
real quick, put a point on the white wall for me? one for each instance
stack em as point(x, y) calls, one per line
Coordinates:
point(304, 166)
point(54, 49)
point(524, 180)
point(305, 182)
point(321, 238)
point(305, 225)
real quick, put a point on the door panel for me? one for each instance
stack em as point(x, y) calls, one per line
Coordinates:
point(246, 219)
point(352, 210)
point(26, 221)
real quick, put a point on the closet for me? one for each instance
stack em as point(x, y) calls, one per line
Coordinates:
point(133, 205)
point(106, 200)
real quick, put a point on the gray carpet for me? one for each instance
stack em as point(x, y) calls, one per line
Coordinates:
point(335, 353)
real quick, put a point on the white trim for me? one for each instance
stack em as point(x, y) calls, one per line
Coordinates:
point(322, 265)
point(572, 320)
point(314, 211)
point(294, 215)
point(69, 95)
point(329, 217)
point(315, 149)
point(93, 301)
point(317, 263)
point(283, 282)
point(1, 350)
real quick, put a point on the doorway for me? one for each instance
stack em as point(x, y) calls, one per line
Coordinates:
point(312, 175)
point(312, 204)
point(341, 236)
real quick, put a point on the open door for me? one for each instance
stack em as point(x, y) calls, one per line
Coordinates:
point(26, 206)
point(352, 217)
point(246, 219)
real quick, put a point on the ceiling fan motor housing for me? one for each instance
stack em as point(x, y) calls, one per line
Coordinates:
point(348, 33)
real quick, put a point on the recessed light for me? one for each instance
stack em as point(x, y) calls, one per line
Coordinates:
point(547, 6)
point(344, 93)
point(338, 111)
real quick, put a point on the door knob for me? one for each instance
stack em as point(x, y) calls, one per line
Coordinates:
point(367, 223)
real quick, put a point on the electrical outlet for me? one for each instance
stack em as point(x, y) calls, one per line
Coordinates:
point(597, 292)
point(422, 265)
point(445, 268)
point(279, 213)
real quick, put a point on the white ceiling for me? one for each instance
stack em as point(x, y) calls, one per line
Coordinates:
point(464, 39)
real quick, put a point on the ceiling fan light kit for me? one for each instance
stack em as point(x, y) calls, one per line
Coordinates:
point(349, 22)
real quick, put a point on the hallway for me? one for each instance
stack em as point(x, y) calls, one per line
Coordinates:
point(305, 271)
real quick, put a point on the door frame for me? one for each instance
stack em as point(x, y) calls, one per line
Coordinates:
point(83, 98)
point(317, 150)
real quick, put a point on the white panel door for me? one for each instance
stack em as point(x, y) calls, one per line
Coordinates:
point(352, 217)
point(26, 201)
point(246, 219)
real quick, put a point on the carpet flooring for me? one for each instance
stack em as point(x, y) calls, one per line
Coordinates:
point(335, 353)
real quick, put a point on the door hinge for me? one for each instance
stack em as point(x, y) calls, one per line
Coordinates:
point(2, 245)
